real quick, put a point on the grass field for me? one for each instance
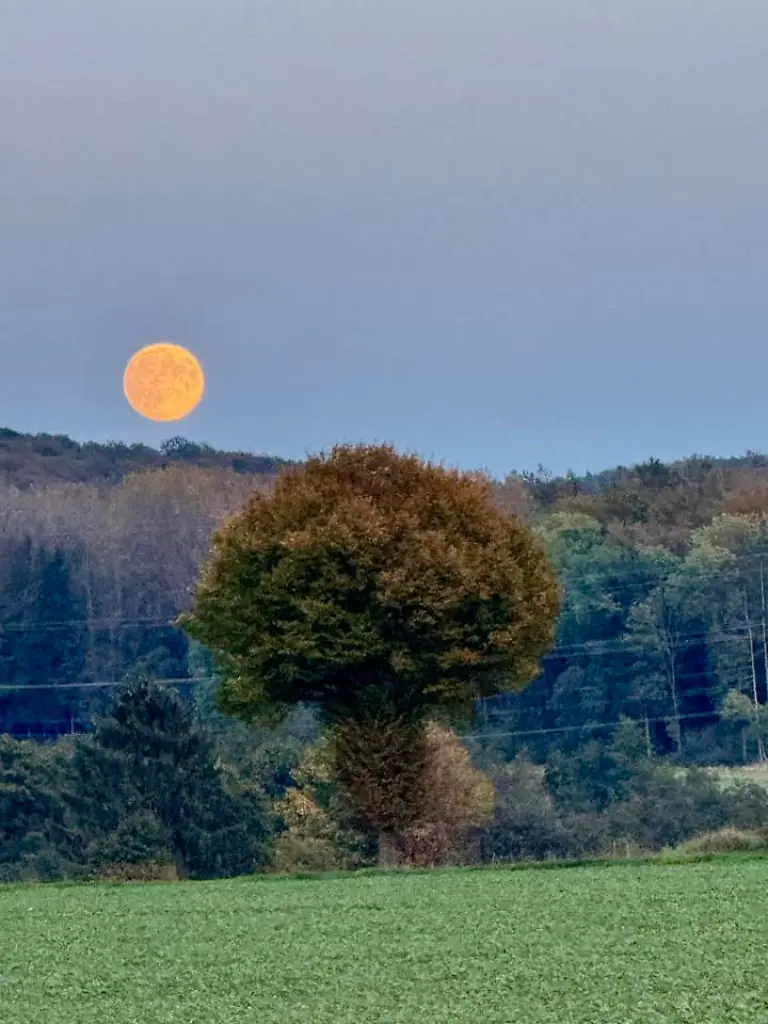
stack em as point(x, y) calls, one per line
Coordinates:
point(757, 773)
point(626, 944)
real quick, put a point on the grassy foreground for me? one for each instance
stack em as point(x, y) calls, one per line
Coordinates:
point(629, 944)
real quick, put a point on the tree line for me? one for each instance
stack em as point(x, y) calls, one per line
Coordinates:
point(166, 787)
point(385, 594)
point(663, 618)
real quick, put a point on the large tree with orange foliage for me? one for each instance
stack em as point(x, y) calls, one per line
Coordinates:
point(387, 592)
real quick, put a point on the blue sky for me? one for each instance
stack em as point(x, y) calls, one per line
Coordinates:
point(498, 234)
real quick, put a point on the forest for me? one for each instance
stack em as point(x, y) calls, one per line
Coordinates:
point(660, 662)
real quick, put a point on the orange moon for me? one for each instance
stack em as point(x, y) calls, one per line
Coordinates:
point(164, 382)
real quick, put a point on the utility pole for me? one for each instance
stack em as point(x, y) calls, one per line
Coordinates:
point(765, 643)
point(755, 701)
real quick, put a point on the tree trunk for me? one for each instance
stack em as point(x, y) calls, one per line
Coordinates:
point(648, 743)
point(678, 732)
point(389, 850)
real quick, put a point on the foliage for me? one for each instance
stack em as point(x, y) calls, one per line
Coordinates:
point(319, 833)
point(370, 578)
point(322, 834)
point(659, 565)
point(663, 575)
point(32, 813)
point(458, 803)
point(598, 774)
point(148, 790)
point(384, 591)
point(526, 824)
point(724, 840)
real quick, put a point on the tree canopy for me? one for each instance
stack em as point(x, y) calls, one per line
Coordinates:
point(369, 576)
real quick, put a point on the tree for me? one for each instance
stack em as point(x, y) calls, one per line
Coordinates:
point(318, 832)
point(749, 718)
point(592, 677)
point(599, 773)
point(459, 800)
point(149, 788)
point(32, 811)
point(386, 592)
point(587, 562)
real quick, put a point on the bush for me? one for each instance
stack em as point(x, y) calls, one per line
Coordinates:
point(643, 807)
point(724, 840)
point(668, 806)
point(150, 871)
point(746, 805)
point(303, 854)
point(458, 800)
point(33, 812)
point(525, 824)
point(139, 839)
point(318, 834)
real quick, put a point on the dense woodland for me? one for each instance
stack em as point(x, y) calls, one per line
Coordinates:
point(660, 662)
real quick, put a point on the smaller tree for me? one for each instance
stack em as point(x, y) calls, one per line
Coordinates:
point(458, 802)
point(149, 787)
point(33, 812)
point(599, 773)
point(319, 834)
point(750, 719)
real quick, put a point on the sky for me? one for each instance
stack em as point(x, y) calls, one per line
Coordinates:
point(498, 233)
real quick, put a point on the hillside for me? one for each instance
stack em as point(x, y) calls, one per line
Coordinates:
point(34, 460)
point(653, 501)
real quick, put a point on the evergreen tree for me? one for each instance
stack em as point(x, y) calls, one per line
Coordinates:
point(148, 778)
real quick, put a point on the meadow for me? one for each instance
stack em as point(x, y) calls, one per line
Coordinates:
point(625, 944)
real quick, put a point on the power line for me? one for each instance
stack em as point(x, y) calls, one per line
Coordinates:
point(616, 645)
point(492, 734)
point(647, 577)
point(102, 684)
point(620, 644)
point(553, 706)
point(527, 711)
point(555, 653)
point(106, 623)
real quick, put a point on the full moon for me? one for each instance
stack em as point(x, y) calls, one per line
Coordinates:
point(164, 382)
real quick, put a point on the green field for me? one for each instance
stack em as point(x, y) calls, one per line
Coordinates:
point(591, 945)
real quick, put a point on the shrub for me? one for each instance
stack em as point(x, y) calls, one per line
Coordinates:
point(150, 871)
point(319, 834)
point(525, 824)
point(458, 800)
point(724, 840)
